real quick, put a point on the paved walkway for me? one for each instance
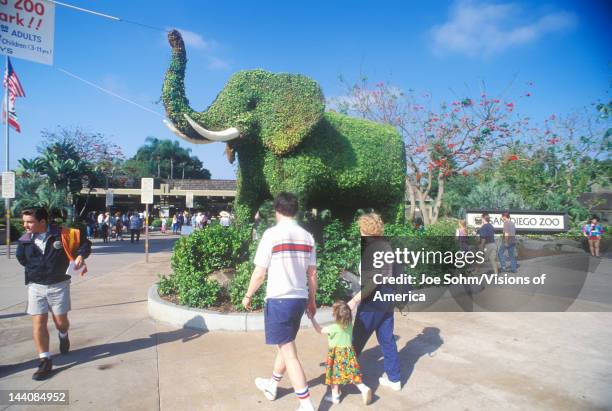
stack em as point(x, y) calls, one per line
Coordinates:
point(120, 359)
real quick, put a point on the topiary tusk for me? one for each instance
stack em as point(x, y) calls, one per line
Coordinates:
point(225, 135)
point(183, 136)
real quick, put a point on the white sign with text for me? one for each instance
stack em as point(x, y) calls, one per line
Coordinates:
point(27, 29)
point(110, 198)
point(146, 191)
point(8, 184)
point(524, 221)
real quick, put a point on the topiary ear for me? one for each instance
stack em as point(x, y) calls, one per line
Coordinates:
point(292, 106)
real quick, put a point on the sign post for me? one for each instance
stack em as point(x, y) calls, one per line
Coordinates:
point(146, 197)
point(8, 192)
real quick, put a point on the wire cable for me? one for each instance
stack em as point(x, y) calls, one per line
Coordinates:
point(109, 92)
point(106, 16)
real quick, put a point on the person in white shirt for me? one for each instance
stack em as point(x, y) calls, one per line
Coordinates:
point(224, 219)
point(287, 254)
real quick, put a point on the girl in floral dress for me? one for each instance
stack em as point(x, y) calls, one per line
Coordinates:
point(342, 366)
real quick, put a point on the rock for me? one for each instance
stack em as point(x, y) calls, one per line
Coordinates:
point(353, 282)
point(223, 276)
point(532, 244)
point(552, 247)
point(571, 249)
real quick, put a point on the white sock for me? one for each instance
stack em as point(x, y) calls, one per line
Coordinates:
point(362, 387)
point(63, 335)
point(44, 355)
point(274, 380)
point(304, 397)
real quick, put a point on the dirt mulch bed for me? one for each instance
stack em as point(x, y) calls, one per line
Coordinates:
point(225, 307)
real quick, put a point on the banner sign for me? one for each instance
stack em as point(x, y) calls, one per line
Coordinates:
point(189, 199)
point(8, 184)
point(27, 29)
point(146, 190)
point(525, 221)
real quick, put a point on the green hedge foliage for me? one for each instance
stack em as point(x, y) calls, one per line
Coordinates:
point(216, 247)
point(288, 143)
point(196, 256)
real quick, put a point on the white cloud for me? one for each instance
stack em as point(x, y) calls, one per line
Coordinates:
point(192, 40)
point(482, 29)
point(216, 63)
point(195, 40)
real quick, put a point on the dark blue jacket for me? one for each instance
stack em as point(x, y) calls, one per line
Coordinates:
point(368, 288)
point(50, 267)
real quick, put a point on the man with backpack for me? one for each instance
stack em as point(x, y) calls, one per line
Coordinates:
point(48, 253)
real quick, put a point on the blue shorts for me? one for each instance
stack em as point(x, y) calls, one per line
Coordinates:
point(282, 317)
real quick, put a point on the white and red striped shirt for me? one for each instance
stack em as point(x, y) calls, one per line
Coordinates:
point(286, 250)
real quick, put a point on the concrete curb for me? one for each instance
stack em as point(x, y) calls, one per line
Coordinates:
point(206, 320)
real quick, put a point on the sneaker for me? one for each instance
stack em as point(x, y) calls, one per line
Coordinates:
point(394, 385)
point(332, 398)
point(264, 385)
point(366, 396)
point(44, 369)
point(64, 344)
point(304, 407)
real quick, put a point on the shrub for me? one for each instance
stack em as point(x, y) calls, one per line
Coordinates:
point(166, 285)
point(400, 230)
point(156, 223)
point(240, 284)
point(217, 247)
point(196, 290)
point(211, 249)
point(196, 256)
point(339, 251)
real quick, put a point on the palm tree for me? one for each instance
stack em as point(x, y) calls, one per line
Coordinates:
point(36, 192)
point(159, 157)
point(54, 177)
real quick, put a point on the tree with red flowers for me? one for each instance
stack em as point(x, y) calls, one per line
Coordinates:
point(441, 140)
point(554, 164)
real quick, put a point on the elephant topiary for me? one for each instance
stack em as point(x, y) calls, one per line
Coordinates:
point(285, 141)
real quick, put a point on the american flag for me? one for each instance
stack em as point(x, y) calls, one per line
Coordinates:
point(11, 82)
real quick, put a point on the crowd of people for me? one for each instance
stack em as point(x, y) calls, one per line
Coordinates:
point(108, 226)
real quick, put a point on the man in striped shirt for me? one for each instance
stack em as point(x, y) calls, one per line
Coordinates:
point(286, 253)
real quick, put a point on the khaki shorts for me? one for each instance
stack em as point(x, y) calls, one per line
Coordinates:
point(54, 297)
point(491, 253)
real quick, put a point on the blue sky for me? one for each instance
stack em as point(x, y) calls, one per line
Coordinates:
point(444, 48)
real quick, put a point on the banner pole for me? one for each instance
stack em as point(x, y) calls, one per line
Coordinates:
point(7, 201)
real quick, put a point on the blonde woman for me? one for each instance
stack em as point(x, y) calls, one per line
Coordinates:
point(461, 235)
point(370, 317)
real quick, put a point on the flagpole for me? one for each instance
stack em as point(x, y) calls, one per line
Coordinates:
point(7, 201)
